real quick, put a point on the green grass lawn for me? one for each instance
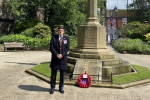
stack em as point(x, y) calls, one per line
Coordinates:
point(143, 73)
point(44, 70)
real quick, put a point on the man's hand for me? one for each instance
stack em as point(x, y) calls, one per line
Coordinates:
point(59, 56)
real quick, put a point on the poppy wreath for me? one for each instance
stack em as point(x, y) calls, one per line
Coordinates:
point(84, 82)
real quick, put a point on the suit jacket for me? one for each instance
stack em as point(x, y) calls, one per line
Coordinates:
point(59, 64)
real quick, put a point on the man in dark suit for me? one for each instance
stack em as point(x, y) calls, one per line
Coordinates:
point(59, 47)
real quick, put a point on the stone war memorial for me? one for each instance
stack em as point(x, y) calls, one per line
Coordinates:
point(91, 54)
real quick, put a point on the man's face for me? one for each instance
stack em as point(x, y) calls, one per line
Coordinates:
point(61, 32)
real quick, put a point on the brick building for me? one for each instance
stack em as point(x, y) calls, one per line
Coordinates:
point(119, 21)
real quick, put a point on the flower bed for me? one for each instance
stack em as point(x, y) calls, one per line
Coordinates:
point(131, 46)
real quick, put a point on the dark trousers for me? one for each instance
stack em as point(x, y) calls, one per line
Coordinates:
point(53, 78)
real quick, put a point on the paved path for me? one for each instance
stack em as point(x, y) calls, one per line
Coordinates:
point(15, 84)
point(138, 59)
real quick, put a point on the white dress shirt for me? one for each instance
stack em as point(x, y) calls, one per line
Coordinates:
point(60, 37)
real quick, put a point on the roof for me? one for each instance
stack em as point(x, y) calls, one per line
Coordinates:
point(117, 13)
point(113, 13)
point(121, 13)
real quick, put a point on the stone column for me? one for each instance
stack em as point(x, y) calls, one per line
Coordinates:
point(92, 11)
point(91, 35)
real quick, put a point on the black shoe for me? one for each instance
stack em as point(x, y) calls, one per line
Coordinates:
point(61, 91)
point(51, 91)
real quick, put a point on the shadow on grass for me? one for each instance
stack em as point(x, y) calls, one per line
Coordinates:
point(45, 62)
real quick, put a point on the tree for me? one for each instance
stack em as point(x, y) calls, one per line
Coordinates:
point(70, 13)
point(102, 7)
point(137, 11)
point(22, 11)
point(15, 9)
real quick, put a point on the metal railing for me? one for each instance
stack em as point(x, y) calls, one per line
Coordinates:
point(103, 76)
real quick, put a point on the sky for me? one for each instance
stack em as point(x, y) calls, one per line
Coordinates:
point(120, 4)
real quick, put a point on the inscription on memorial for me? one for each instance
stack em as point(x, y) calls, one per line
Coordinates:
point(90, 37)
point(92, 67)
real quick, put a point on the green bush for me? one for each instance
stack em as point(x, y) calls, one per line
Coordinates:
point(37, 41)
point(25, 25)
point(42, 31)
point(1, 35)
point(134, 30)
point(39, 31)
point(45, 42)
point(73, 43)
point(131, 45)
point(13, 38)
point(148, 37)
point(3, 39)
point(28, 41)
point(28, 32)
point(34, 42)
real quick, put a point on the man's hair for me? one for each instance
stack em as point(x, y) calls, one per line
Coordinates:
point(61, 27)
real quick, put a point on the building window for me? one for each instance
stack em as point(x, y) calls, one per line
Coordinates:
point(114, 19)
point(123, 25)
point(124, 19)
point(108, 19)
point(114, 26)
point(109, 26)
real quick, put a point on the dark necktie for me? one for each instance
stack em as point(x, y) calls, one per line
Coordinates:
point(60, 43)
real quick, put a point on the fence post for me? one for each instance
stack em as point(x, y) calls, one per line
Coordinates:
point(111, 79)
point(71, 76)
point(111, 37)
point(98, 77)
point(70, 79)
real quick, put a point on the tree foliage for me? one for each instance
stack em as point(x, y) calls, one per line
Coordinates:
point(70, 13)
point(20, 10)
point(138, 11)
point(102, 7)
point(135, 30)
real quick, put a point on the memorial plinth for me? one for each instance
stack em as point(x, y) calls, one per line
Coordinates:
point(92, 35)
point(91, 54)
point(91, 39)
